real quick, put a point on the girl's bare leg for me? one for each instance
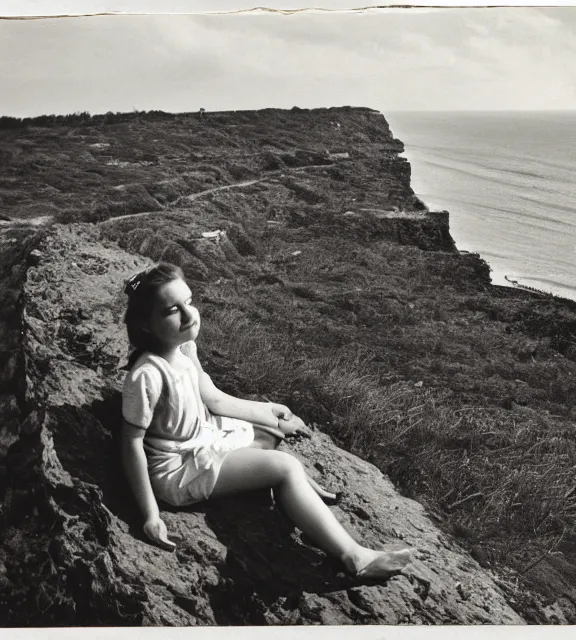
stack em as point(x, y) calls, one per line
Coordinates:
point(265, 440)
point(247, 469)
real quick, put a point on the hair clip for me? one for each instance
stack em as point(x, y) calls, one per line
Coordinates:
point(133, 283)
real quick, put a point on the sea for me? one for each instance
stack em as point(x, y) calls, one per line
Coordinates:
point(508, 180)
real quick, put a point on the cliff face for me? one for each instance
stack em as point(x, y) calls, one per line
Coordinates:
point(323, 282)
point(68, 518)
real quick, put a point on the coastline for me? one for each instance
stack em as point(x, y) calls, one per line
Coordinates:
point(509, 198)
point(500, 278)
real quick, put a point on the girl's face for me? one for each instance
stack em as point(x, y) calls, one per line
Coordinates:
point(174, 320)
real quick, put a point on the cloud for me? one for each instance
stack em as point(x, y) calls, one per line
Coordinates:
point(437, 59)
point(531, 56)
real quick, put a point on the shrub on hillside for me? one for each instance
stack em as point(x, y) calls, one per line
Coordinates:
point(241, 172)
point(124, 199)
point(168, 190)
point(304, 191)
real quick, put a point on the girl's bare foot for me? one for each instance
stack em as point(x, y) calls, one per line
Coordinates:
point(379, 564)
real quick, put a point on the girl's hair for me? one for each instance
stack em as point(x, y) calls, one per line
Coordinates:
point(141, 290)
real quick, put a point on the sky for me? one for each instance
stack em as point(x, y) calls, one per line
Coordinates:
point(511, 58)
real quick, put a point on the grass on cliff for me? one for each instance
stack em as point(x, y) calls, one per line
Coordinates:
point(507, 486)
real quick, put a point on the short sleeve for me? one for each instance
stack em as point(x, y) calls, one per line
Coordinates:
point(189, 349)
point(142, 389)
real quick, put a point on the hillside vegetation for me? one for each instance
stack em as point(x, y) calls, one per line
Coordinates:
point(332, 288)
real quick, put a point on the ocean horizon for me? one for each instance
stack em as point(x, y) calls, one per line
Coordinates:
point(508, 179)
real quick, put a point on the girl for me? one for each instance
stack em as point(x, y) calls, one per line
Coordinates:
point(185, 441)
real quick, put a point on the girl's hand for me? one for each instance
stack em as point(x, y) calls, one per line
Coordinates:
point(280, 410)
point(155, 529)
point(294, 427)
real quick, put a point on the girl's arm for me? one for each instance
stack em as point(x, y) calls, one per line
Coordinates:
point(134, 460)
point(222, 404)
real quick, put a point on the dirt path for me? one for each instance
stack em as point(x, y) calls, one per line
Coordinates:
point(192, 197)
point(226, 187)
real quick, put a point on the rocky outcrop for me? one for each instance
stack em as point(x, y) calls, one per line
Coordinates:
point(72, 550)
